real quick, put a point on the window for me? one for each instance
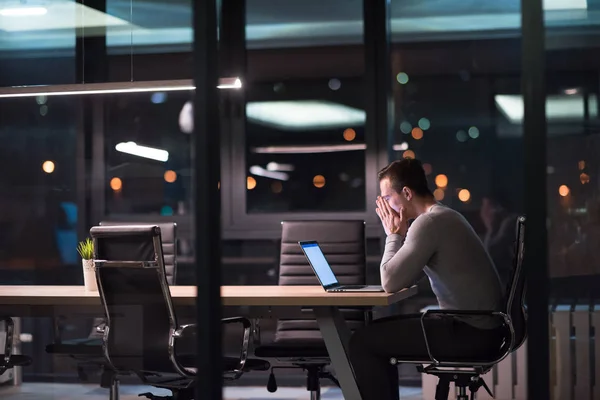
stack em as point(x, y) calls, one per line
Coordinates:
point(38, 181)
point(306, 146)
point(445, 85)
point(147, 148)
point(302, 146)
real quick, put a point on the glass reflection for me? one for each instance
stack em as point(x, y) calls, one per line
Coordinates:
point(147, 151)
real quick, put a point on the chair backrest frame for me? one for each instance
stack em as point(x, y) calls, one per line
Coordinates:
point(517, 290)
point(171, 229)
point(145, 266)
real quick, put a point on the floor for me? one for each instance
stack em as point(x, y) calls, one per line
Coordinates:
point(49, 391)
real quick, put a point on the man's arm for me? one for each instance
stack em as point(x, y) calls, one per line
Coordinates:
point(403, 259)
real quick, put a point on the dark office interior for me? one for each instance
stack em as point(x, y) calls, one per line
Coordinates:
point(498, 100)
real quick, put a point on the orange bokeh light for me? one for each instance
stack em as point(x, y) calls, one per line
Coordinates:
point(349, 134)
point(250, 183)
point(48, 167)
point(584, 178)
point(319, 181)
point(409, 154)
point(417, 133)
point(464, 195)
point(116, 184)
point(441, 180)
point(170, 176)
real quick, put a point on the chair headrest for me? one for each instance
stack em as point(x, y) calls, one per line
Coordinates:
point(128, 230)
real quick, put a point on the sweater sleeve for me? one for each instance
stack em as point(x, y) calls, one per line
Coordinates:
point(404, 259)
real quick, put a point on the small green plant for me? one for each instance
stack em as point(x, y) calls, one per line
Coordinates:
point(86, 249)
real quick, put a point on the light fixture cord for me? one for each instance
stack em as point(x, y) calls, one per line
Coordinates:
point(131, 39)
point(82, 41)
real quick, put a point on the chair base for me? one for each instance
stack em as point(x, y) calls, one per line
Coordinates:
point(462, 379)
point(181, 394)
point(314, 374)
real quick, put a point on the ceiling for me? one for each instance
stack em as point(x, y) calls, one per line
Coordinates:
point(150, 25)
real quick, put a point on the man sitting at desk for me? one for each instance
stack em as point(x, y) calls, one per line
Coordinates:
point(441, 242)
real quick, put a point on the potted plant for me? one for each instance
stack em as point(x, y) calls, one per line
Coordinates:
point(86, 251)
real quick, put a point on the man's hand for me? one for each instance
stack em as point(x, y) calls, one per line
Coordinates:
point(392, 221)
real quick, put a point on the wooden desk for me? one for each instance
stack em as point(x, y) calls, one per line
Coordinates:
point(46, 300)
point(267, 296)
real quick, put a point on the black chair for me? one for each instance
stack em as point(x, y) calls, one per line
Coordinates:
point(298, 342)
point(465, 370)
point(88, 351)
point(7, 359)
point(141, 335)
point(168, 232)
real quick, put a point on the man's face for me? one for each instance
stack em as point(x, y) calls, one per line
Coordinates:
point(394, 199)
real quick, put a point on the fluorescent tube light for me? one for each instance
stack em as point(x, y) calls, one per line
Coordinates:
point(111, 88)
point(308, 149)
point(230, 83)
point(302, 115)
point(564, 5)
point(273, 166)
point(143, 151)
point(23, 11)
point(558, 107)
point(260, 171)
point(401, 147)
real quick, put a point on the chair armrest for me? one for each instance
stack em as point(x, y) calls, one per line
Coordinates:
point(180, 332)
point(255, 333)
point(429, 314)
point(8, 345)
point(101, 328)
point(239, 370)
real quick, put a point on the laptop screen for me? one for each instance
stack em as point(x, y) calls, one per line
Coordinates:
point(319, 263)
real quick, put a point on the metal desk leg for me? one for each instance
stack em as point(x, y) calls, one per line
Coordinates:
point(17, 371)
point(337, 336)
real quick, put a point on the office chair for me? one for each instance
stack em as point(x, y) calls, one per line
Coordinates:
point(168, 233)
point(298, 342)
point(88, 351)
point(465, 370)
point(141, 335)
point(7, 359)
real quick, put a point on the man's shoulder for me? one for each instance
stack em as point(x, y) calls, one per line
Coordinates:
point(440, 211)
point(442, 215)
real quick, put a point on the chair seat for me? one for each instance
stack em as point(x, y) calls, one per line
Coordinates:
point(301, 349)
point(188, 361)
point(77, 347)
point(449, 356)
point(15, 361)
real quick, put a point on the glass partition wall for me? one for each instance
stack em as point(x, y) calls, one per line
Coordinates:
point(303, 138)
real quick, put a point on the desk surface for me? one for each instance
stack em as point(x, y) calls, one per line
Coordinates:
point(275, 296)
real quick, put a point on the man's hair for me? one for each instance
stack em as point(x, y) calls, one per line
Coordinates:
point(406, 173)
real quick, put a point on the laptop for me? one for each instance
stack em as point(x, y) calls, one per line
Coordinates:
point(325, 274)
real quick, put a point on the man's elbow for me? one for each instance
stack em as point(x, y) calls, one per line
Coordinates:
point(388, 287)
point(389, 284)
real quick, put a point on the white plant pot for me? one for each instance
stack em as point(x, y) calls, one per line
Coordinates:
point(89, 276)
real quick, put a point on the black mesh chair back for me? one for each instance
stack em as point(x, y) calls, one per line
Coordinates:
point(168, 232)
point(136, 298)
point(344, 246)
point(517, 289)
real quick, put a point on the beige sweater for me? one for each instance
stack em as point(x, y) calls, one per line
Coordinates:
point(443, 244)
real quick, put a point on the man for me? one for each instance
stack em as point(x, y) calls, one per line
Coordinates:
point(442, 243)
